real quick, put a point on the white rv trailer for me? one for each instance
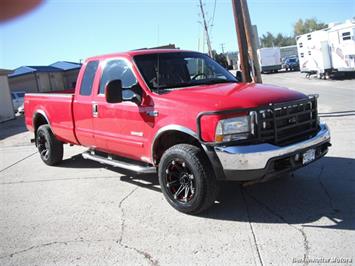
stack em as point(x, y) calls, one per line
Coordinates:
point(269, 59)
point(341, 40)
point(328, 51)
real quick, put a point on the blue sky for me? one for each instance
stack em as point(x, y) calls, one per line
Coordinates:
point(75, 29)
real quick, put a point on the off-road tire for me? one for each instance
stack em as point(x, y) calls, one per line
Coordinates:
point(204, 180)
point(49, 148)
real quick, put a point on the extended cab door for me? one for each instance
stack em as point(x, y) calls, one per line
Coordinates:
point(83, 108)
point(121, 128)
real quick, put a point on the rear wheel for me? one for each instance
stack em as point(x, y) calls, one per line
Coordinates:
point(49, 148)
point(187, 179)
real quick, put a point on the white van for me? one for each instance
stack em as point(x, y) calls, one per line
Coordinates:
point(269, 59)
point(17, 99)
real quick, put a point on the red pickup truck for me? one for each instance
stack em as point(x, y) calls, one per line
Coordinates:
point(183, 115)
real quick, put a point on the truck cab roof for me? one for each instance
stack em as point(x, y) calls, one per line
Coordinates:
point(133, 53)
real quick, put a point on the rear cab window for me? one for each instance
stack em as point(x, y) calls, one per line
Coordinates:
point(88, 78)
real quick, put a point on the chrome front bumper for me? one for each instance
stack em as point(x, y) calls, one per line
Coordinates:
point(256, 157)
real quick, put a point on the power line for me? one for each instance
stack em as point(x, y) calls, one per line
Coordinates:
point(222, 47)
point(206, 30)
point(214, 12)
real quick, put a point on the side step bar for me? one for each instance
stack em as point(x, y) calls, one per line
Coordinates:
point(128, 166)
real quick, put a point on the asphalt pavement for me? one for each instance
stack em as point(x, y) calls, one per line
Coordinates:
point(84, 213)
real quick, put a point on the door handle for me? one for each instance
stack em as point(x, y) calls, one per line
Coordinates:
point(153, 113)
point(95, 110)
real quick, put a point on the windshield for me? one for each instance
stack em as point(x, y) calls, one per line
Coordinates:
point(166, 71)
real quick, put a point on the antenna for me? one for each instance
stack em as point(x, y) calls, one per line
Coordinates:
point(158, 35)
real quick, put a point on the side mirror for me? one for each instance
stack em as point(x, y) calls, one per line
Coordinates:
point(130, 95)
point(113, 91)
point(238, 75)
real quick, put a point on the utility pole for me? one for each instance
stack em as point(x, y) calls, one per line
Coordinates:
point(222, 47)
point(206, 30)
point(251, 44)
point(242, 41)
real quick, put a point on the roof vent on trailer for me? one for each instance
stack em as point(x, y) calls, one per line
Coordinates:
point(332, 24)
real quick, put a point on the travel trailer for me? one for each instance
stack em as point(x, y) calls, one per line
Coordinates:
point(329, 51)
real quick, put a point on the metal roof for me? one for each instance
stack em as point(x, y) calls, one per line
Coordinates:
point(33, 69)
point(45, 68)
point(65, 65)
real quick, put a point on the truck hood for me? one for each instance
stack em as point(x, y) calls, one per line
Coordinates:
point(232, 95)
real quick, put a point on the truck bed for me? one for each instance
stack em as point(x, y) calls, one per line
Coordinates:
point(57, 108)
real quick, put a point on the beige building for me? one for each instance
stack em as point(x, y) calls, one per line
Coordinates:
point(58, 76)
point(70, 72)
point(6, 107)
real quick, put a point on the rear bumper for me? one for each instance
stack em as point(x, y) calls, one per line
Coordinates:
point(270, 68)
point(245, 163)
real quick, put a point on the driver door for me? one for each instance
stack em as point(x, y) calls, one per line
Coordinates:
point(120, 128)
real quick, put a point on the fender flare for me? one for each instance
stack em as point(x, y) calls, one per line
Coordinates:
point(35, 114)
point(170, 128)
point(211, 154)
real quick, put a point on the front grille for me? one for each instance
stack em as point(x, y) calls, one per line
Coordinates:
point(287, 123)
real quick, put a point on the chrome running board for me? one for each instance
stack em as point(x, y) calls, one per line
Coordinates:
point(125, 165)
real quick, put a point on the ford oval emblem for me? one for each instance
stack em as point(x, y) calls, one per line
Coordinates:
point(292, 120)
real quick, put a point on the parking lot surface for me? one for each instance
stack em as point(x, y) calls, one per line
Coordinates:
point(84, 213)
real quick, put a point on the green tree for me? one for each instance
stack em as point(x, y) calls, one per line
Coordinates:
point(220, 58)
point(269, 40)
point(308, 25)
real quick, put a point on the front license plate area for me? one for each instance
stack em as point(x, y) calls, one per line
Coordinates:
point(308, 156)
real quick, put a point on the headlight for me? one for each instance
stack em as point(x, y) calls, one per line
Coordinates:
point(235, 128)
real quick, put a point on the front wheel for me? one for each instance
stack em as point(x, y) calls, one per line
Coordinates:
point(187, 179)
point(49, 148)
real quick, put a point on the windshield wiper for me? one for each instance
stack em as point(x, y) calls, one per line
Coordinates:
point(217, 80)
point(190, 84)
point(173, 86)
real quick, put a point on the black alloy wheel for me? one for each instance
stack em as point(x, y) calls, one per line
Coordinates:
point(49, 148)
point(187, 179)
point(180, 181)
point(42, 145)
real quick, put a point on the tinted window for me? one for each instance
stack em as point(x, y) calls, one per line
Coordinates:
point(180, 69)
point(88, 78)
point(117, 69)
point(20, 94)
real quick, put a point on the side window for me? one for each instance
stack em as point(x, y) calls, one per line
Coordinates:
point(117, 69)
point(88, 78)
point(346, 36)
